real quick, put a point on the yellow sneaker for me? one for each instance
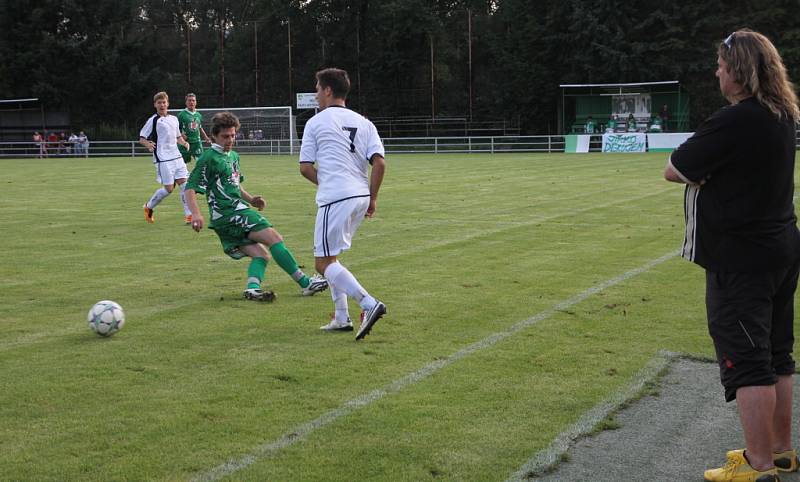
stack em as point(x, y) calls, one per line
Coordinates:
point(149, 214)
point(736, 469)
point(187, 219)
point(786, 461)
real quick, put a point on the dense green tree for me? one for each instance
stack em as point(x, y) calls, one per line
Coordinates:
point(488, 59)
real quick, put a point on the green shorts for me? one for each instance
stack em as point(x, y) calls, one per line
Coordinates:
point(233, 230)
point(195, 150)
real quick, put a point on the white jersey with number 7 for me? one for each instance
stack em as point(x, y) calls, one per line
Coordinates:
point(341, 142)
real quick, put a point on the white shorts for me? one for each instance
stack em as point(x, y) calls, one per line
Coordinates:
point(336, 225)
point(167, 172)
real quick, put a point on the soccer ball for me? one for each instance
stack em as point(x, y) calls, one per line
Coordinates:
point(106, 318)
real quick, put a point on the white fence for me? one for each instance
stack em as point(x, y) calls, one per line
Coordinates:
point(431, 145)
point(420, 145)
point(132, 149)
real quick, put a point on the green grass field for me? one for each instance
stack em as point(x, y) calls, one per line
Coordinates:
point(463, 247)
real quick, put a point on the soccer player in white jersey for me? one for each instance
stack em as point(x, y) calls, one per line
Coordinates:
point(161, 136)
point(343, 144)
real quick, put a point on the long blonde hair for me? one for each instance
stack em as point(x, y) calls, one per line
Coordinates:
point(756, 65)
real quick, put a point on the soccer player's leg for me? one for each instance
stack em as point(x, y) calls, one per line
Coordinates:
point(233, 237)
point(284, 257)
point(180, 174)
point(341, 317)
point(335, 226)
point(165, 177)
point(195, 150)
point(255, 272)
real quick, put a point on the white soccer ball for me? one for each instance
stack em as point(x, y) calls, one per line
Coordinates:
point(106, 318)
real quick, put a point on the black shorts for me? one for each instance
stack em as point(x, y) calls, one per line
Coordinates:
point(751, 321)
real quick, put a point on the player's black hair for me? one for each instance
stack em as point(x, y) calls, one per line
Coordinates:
point(337, 80)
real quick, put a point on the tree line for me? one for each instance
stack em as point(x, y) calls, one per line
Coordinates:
point(476, 59)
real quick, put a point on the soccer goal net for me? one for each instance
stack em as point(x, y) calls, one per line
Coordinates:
point(264, 130)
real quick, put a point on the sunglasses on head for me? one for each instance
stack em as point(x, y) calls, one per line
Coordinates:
point(729, 41)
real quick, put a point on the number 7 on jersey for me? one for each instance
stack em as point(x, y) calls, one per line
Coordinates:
point(352, 131)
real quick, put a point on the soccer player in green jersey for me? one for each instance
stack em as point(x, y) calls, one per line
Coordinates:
point(190, 121)
point(241, 229)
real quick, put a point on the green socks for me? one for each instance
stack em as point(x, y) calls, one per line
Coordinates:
point(282, 256)
point(255, 272)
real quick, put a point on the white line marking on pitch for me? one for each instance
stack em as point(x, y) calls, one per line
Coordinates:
point(302, 431)
point(550, 456)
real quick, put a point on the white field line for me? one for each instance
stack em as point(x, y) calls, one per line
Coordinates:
point(549, 457)
point(302, 431)
point(499, 227)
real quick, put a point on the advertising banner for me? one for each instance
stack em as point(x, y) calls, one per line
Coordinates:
point(625, 142)
point(666, 142)
point(576, 143)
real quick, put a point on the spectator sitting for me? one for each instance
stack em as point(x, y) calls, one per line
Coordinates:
point(590, 125)
point(655, 125)
point(612, 124)
point(631, 123)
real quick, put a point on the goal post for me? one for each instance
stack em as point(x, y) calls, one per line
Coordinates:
point(264, 130)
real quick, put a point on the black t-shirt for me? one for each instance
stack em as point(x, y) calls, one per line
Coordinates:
point(742, 218)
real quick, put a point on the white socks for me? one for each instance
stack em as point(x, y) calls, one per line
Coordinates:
point(340, 278)
point(161, 193)
point(158, 196)
point(186, 210)
point(340, 303)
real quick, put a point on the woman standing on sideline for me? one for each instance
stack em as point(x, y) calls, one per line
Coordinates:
point(741, 227)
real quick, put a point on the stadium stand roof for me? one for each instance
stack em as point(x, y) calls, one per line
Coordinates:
point(631, 84)
point(9, 101)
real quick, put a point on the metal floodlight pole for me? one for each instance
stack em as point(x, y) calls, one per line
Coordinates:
point(358, 64)
point(255, 49)
point(469, 60)
point(433, 84)
point(189, 56)
point(222, 62)
point(289, 42)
